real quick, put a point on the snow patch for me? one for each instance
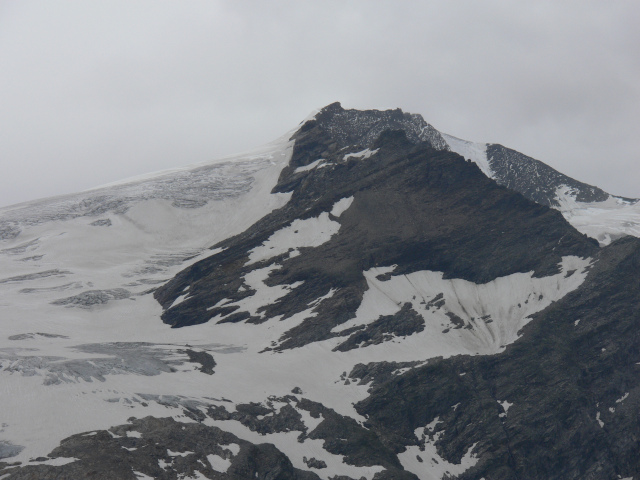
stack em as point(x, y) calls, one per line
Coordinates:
point(604, 221)
point(600, 422)
point(265, 295)
point(178, 454)
point(476, 152)
point(142, 476)
point(433, 424)
point(462, 317)
point(622, 398)
point(311, 232)
point(234, 448)
point(311, 166)
point(505, 406)
point(218, 463)
point(427, 464)
point(59, 461)
point(179, 300)
point(362, 154)
point(341, 206)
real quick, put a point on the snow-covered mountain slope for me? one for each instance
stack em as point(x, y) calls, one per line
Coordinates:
point(589, 209)
point(605, 220)
point(353, 300)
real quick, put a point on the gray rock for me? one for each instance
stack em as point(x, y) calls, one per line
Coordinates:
point(93, 297)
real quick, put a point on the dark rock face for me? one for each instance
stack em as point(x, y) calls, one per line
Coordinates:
point(406, 322)
point(376, 373)
point(103, 222)
point(315, 463)
point(571, 383)
point(93, 297)
point(341, 435)
point(166, 449)
point(162, 449)
point(206, 361)
point(534, 179)
point(413, 206)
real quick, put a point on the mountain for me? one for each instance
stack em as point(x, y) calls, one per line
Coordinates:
point(364, 297)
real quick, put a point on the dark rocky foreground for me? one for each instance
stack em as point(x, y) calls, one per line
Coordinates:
point(182, 448)
point(163, 448)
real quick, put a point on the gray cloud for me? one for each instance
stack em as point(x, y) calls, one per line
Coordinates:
point(93, 92)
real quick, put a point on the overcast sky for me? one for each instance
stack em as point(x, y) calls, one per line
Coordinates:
point(96, 91)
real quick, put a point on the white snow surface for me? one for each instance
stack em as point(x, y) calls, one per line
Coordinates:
point(311, 232)
point(433, 466)
point(341, 206)
point(495, 311)
point(315, 164)
point(604, 221)
point(362, 154)
point(218, 463)
point(476, 152)
point(505, 406)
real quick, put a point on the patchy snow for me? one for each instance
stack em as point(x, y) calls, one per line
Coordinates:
point(433, 424)
point(604, 221)
point(142, 476)
point(318, 163)
point(234, 448)
point(179, 300)
point(505, 406)
point(476, 152)
point(287, 442)
point(362, 154)
point(600, 422)
point(622, 398)
point(218, 463)
point(489, 316)
point(265, 294)
point(311, 232)
point(178, 454)
point(59, 461)
point(341, 206)
point(427, 464)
